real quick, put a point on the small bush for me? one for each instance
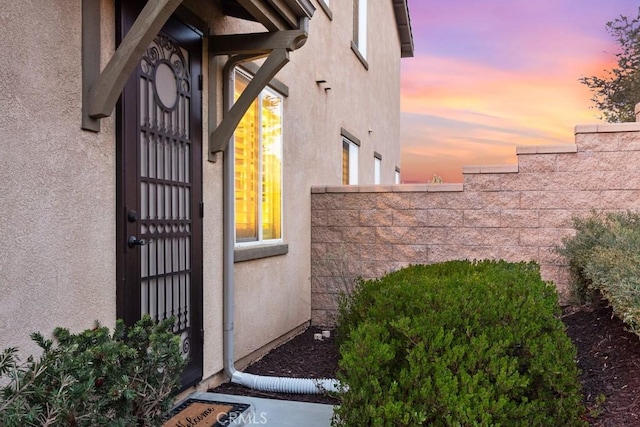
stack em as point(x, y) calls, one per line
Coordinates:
point(93, 378)
point(457, 344)
point(604, 258)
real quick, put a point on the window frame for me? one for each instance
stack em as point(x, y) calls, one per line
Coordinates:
point(377, 168)
point(360, 32)
point(325, 6)
point(260, 240)
point(352, 144)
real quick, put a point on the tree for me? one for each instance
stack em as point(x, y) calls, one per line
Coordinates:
point(616, 94)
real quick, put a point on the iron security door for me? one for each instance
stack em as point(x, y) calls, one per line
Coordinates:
point(160, 190)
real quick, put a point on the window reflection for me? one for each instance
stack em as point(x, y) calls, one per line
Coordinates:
point(258, 167)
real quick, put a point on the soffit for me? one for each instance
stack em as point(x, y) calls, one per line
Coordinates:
point(287, 24)
point(403, 21)
point(275, 15)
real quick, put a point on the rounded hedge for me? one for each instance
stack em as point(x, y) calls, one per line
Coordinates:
point(457, 344)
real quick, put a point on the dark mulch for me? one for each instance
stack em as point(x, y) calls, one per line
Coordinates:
point(608, 356)
point(300, 357)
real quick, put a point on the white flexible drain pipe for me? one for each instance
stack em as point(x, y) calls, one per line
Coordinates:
point(256, 382)
point(286, 385)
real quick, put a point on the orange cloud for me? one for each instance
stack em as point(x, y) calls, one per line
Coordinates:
point(473, 114)
point(490, 76)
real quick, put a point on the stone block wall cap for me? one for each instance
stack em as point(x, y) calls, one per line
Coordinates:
point(546, 149)
point(427, 188)
point(374, 188)
point(342, 189)
point(608, 128)
point(470, 169)
point(409, 188)
point(439, 188)
point(396, 188)
point(474, 169)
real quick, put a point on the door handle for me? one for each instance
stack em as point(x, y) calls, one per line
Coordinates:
point(133, 241)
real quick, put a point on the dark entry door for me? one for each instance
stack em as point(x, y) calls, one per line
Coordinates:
point(159, 188)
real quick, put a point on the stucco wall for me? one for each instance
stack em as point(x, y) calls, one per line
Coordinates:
point(516, 213)
point(58, 189)
point(57, 182)
point(273, 295)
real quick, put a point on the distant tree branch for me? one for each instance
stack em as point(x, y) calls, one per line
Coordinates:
point(616, 94)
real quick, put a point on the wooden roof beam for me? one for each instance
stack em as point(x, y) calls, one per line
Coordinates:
point(256, 43)
point(220, 137)
point(101, 89)
point(278, 15)
point(265, 15)
point(104, 91)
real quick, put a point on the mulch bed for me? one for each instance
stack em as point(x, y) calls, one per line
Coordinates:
point(608, 356)
point(300, 357)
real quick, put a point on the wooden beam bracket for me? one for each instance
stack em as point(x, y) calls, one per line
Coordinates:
point(220, 137)
point(102, 90)
point(256, 43)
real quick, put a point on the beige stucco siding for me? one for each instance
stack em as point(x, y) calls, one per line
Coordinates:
point(384, 91)
point(58, 182)
point(212, 233)
point(272, 295)
point(57, 191)
point(365, 102)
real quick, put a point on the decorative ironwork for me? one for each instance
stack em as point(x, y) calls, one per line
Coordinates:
point(186, 345)
point(165, 185)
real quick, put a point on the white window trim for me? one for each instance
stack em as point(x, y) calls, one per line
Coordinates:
point(353, 160)
point(362, 28)
point(377, 169)
point(359, 40)
point(354, 149)
point(326, 7)
point(260, 240)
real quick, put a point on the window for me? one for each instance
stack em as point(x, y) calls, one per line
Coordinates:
point(397, 181)
point(324, 5)
point(349, 161)
point(258, 167)
point(360, 27)
point(377, 167)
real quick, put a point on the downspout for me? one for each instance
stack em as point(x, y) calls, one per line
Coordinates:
point(228, 225)
point(256, 382)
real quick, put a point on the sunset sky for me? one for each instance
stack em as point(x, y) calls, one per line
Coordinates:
point(491, 75)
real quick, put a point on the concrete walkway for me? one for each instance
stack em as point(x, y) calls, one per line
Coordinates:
point(270, 412)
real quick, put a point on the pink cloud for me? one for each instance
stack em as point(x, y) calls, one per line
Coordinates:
point(489, 76)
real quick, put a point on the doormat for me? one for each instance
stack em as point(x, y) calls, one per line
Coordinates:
point(204, 413)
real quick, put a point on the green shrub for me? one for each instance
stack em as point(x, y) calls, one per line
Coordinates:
point(457, 344)
point(604, 258)
point(93, 378)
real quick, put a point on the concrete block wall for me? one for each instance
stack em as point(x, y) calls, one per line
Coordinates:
point(515, 212)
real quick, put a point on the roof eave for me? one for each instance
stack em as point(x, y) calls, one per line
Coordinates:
point(403, 21)
point(302, 8)
point(279, 15)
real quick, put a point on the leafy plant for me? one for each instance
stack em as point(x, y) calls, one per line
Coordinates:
point(93, 378)
point(457, 344)
point(596, 409)
point(604, 258)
